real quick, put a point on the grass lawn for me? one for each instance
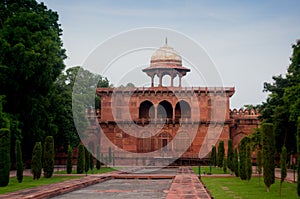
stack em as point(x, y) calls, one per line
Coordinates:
point(232, 187)
point(95, 171)
point(206, 169)
point(28, 182)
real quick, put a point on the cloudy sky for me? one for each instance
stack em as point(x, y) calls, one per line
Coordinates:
point(248, 41)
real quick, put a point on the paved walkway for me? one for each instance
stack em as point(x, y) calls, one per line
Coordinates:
point(170, 183)
point(187, 185)
point(166, 183)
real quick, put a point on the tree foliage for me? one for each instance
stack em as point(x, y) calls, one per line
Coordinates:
point(230, 156)
point(213, 156)
point(224, 164)
point(48, 157)
point(283, 169)
point(98, 163)
point(259, 163)
point(268, 154)
point(4, 156)
point(36, 162)
point(248, 162)
point(236, 162)
point(221, 153)
point(243, 158)
point(69, 160)
point(81, 159)
point(282, 107)
point(298, 151)
point(109, 155)
point(63, 106)
point(31, 58)
point(87, 160)
point(19, 161)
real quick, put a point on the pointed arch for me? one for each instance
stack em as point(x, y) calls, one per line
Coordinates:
point(165, 110)
point(182, 110)
point(146, 110)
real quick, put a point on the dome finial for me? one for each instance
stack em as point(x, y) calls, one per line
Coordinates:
point(166, 41)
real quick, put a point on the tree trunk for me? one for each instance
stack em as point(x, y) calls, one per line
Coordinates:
point(268, 189)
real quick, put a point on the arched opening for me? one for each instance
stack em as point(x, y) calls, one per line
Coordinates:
point(166, 80)
point(182, 110)
point(146, 110)
point(155, 81)
point(163, 139)
point(176, 81)
point(145, 143)
point(164, 110)
point(182, 142)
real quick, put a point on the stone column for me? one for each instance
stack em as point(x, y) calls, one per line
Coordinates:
point(160, 76)
point(180, 76)
point(152, 81)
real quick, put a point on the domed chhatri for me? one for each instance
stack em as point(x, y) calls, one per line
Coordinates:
point(166, 61)
point(166, 53)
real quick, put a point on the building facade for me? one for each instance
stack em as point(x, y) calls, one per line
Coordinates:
point(178, 122)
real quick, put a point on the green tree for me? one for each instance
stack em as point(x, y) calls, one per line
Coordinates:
point(243, 158)
point(87, 160)
point(283, 158)
point(98, 163)
point(36, 162)
point(248, 162)
point(236, 162)
point(61, 103)
point(48, 163)
point(221, 153)
point(91, 162)
point(230, 156)
point(19, 161)
point(298, 151)
point(259, 164)
point(268, 155)
point(31, 58)
point(70, 160)
point(213, 156)
point(255, 138)
point(4, 156)
point(283, 103)
point(81, 159)
point(225, 165)
point(109, 155)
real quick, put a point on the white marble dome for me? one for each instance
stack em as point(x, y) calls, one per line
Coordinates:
point(165, 53)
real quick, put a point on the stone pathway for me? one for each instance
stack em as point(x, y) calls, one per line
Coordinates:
point(187, 185)
point(166, 183)
point(47, 191)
